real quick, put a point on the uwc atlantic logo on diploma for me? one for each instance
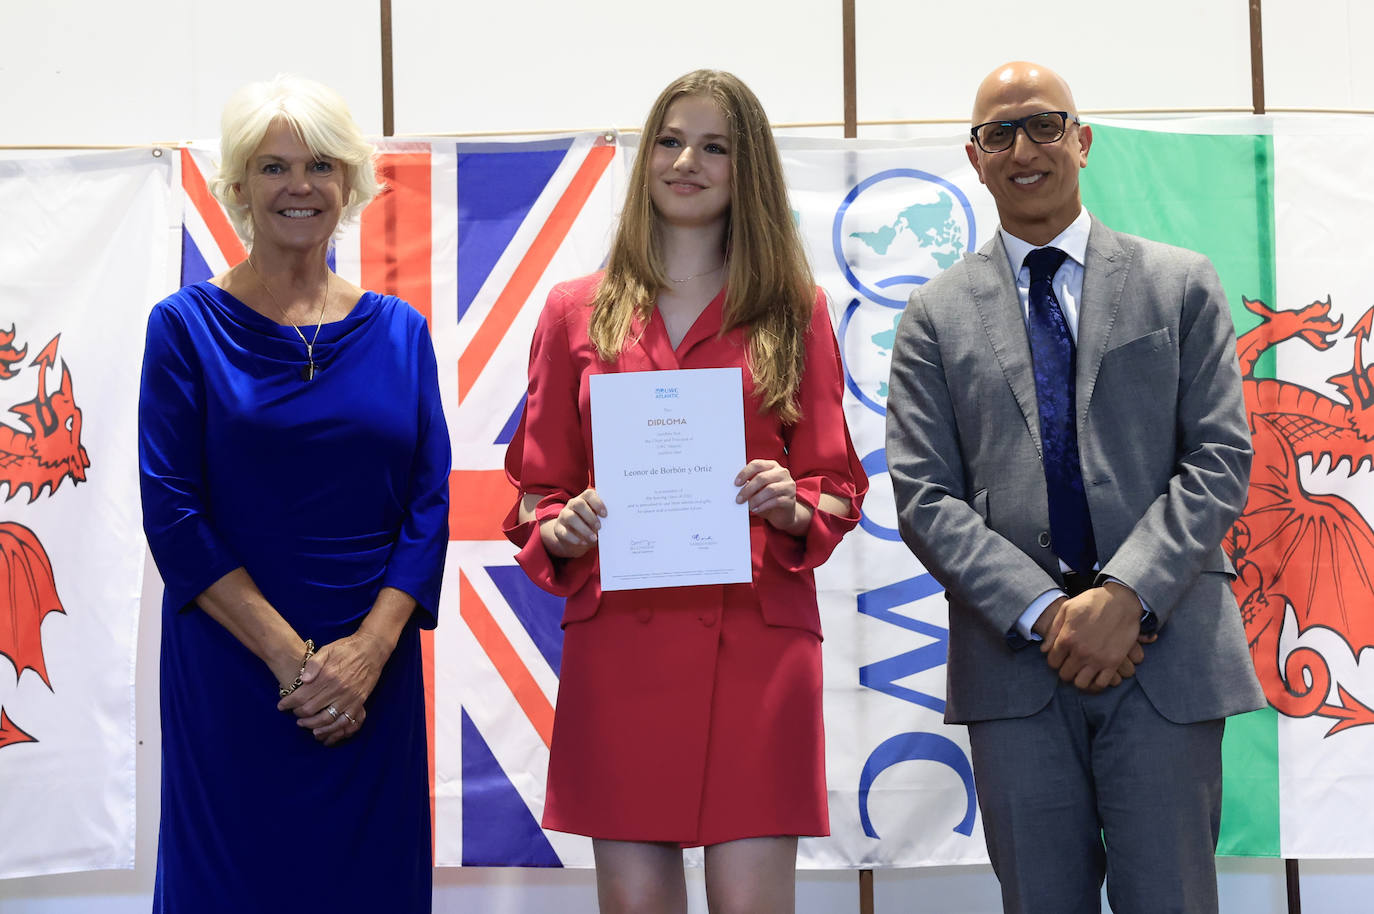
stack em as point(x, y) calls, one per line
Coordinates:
point(667, 446)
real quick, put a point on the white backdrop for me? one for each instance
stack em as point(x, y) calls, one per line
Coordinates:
point(91, 72)
point(86, 71)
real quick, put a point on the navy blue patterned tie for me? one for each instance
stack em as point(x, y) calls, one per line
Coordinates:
point(1052, 350)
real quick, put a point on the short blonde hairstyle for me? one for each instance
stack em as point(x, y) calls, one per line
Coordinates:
point(320, 118)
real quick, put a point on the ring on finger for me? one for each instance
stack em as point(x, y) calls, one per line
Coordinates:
point(349, 716)
point(332, 712)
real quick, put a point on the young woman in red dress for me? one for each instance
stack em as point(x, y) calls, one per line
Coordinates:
point(691, 716)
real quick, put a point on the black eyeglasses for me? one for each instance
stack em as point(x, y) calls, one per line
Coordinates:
point(1043, 128)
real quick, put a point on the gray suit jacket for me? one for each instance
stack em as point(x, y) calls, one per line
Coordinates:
point(1165, 449)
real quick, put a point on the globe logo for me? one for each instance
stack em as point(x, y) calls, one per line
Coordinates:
point(893, 232)
point(897, 229)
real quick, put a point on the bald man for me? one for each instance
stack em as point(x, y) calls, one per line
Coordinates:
point(1068, 443)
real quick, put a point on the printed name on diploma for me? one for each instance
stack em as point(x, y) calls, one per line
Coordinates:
point(668, 471)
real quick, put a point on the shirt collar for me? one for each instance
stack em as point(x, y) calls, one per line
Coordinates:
point(1072, 241)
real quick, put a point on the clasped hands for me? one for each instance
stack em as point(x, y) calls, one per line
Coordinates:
point(341, 675)
point(765, 485)
point(1093, 640)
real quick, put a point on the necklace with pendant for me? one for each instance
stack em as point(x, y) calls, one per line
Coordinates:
point(308, 370)
point(697, 275)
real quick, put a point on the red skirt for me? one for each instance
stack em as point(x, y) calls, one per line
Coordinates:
point(687, 719)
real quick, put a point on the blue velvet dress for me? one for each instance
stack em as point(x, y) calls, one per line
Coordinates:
point(325, 491)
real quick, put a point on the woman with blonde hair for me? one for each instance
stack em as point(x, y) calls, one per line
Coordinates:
point(294, 465)
point(691, 716)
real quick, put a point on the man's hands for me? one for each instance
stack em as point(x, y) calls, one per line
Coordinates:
point(1094, 639)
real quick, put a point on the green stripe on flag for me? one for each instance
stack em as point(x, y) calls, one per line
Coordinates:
point(1250, 786)
point(1213, 194)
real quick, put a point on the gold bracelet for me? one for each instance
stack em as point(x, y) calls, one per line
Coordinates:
point(309, 652)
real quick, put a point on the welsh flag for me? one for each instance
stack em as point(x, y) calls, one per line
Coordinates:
point(1280, 214)
point(87, 245)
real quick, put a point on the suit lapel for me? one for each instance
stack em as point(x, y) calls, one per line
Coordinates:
point(1104, 276)
point(993, 290)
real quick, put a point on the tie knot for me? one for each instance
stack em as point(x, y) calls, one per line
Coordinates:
point(1043, 262)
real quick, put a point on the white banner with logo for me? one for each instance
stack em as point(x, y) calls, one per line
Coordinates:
point(879, 219)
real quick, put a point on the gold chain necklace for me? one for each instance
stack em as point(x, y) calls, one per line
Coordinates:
point(697, 275)
point(308, 370)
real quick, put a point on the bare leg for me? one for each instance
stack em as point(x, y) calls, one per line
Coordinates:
point(637, 877)
point(752, 876)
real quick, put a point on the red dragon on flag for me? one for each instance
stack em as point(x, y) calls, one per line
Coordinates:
point(39, 458)
point(1292, 547)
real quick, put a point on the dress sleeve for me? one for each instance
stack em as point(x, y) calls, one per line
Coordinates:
point(416, 565)
point(820, 455)
point(189, 553)
point(547, 456)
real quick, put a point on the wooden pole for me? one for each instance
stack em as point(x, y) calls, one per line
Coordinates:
point(865, 892)
point(388, 89)
point(1256, 57)
point(1290, 871)
point(851, 130)
point(851, 92)
point(1290, 866)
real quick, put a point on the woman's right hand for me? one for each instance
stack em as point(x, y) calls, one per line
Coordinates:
point(573, 532)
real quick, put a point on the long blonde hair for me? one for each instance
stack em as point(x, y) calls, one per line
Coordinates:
point(769, 287)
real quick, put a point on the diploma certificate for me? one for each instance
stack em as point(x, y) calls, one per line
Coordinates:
point(668, 446)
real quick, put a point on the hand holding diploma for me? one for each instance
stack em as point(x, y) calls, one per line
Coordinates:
point(765, 485)
point(573, 531)
point(771, 493)
point(664, 444)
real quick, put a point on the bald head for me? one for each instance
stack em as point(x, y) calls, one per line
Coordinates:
point(1033, 181)
point(1019, 79)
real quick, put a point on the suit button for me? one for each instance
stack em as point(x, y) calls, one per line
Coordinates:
point(644, 614)
point(1044, 539)
point(707, 619)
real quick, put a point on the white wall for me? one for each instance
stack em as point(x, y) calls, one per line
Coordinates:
point(100, 72)
point(89, 71)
